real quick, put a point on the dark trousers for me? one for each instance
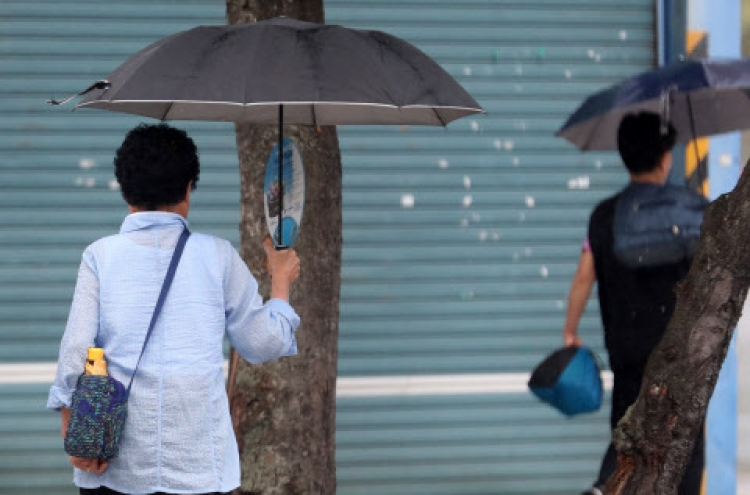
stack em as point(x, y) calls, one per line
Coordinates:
point(103, 490)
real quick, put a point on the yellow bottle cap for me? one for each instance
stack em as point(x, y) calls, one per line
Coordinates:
point(96, 353)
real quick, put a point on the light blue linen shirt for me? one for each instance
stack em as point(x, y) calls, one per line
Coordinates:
point(178, 437)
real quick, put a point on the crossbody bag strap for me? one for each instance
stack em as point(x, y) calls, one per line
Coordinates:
point(162, 295)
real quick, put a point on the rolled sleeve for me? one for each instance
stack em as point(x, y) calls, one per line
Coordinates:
point(59, 397)
point(280, 309)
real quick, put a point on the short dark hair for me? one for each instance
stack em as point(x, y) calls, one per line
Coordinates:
point(155, 164)
point(642, 141)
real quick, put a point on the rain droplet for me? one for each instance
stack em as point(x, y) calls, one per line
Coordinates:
point(582, 182)
point(467, 71)
point(544, 271)
point(530, 201)
point(560, 304)
point(467, 182)
point(527, 251)
point(495, 236)
point(498, 144)
point(467, 201)
point(86, 163)
point(79, 181)
point(475, 217)
point(464, 222)
point(516, 161)
point(598, 164)
point(443, 163)
point(483, 235)
point(623, 35)
point(114, 185)
point(509, 145)
point(597, 58)
point(90, 182)
point(725, 159)
point(568, 73)
point(591, 53)
point(474, 125)
point(407, 201)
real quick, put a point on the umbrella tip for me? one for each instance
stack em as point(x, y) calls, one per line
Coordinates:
point(101, 84)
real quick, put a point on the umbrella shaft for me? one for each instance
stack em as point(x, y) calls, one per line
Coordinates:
point(280, 242)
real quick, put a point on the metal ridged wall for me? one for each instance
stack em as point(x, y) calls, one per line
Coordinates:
point(459, 243)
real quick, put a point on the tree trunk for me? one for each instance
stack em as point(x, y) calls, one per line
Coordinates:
point(284, 412)
point(655, 437)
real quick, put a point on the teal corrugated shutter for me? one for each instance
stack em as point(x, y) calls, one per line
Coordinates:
point(460, 245)
point(57, 192)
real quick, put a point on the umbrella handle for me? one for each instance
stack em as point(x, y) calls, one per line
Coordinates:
point(695, 140)
point(279, 245)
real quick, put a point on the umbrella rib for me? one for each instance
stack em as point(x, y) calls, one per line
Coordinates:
point(442, 122)
point(166, 112)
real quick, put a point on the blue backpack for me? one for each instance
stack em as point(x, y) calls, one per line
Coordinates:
point(569, 380)
point(657, 225)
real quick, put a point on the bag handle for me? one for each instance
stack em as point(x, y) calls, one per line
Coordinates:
point(162, 295)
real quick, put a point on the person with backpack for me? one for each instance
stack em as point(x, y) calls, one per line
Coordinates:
point(639, 246)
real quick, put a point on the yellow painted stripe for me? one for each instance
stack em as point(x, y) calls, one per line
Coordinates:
point(691, 160)
point(693, 39)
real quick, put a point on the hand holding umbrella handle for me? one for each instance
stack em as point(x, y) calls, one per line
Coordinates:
point(283, 266)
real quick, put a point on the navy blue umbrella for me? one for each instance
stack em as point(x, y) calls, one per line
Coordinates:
point(699, 97)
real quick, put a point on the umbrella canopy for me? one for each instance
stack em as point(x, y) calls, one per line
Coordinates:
point(699, 97)
point(321, 74)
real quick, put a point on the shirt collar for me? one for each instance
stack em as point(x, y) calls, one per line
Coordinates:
point(152, 219)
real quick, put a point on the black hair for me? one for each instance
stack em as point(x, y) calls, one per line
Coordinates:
point(642, 141)
point(155, 164)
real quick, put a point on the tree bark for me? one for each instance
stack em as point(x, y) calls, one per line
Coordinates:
point(655, 438)
point(284, 412)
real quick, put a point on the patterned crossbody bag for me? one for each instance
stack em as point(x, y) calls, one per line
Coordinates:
point(100, 403)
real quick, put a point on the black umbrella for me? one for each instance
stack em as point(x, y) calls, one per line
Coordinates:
point(699, 97)
point(283, 71)
point(321, 74)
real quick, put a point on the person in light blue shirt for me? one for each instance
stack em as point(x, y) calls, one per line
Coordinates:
point(178, 438)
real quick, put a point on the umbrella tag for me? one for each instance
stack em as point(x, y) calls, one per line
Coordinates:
point(290, 193)
point(667, 98)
